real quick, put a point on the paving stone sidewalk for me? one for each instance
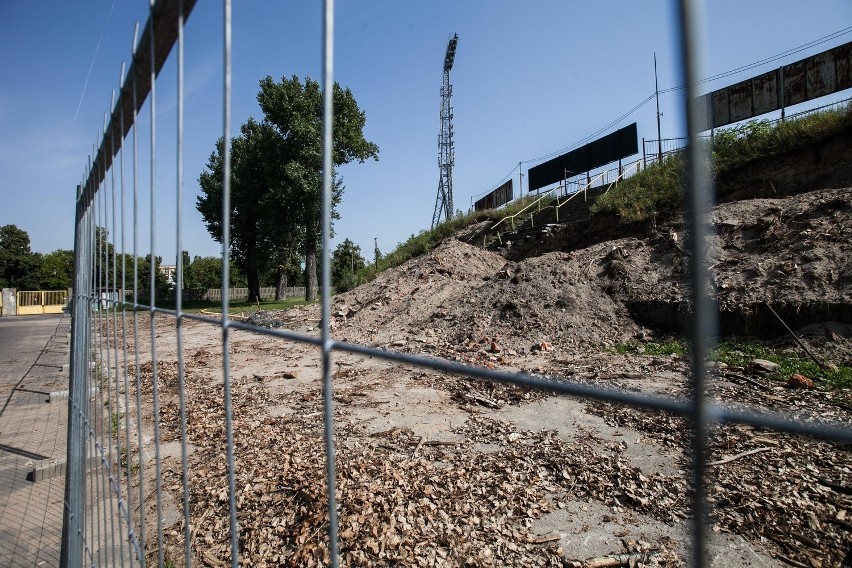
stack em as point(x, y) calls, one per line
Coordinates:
point(33, 350)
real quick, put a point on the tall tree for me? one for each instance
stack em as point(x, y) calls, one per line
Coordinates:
point(346, 262)
point(276, 173)
point(262, 219)
point(296, 110)
point(19, 266)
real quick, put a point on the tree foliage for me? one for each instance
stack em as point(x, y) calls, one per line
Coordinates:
point(57, 270)
point(206, 272)
point(19, 266)
point(346, 263)
point(276, 173)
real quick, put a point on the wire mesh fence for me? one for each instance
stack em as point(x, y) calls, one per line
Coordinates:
point(134, 420)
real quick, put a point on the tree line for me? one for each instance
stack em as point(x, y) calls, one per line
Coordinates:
point(275, 217)
point(24, 269)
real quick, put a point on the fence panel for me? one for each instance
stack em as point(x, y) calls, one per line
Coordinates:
point(125, 381)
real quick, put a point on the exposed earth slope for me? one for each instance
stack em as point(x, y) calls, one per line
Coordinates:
point(439, 470)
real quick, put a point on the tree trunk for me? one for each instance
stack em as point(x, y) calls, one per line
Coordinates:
point(311, 284)
point(253, 285)
point(280, 283)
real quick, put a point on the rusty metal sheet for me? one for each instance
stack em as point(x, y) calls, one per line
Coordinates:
point(819, 75)
point(794, 83)
point(721, 112)
point(496, 198)
point(843, 66)
point(705, 114)
point(816, 76)
point(765, 93)
point(740, 101)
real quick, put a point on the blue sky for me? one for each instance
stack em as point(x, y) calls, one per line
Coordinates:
point(530, 78)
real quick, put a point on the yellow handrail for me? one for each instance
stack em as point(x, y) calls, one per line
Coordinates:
point(513, 215)
point(635, 165)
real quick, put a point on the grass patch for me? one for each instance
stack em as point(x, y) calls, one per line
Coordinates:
point(661, 348)
point(738, 352)
point(241, 306)
point(114, 423)
point(660, 187)
point(654, 189)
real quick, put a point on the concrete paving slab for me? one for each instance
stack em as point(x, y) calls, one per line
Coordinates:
point(30, 431)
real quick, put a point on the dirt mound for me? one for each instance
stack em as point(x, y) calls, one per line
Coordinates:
point(459, 295)
point(787, 252)
point(405, 297)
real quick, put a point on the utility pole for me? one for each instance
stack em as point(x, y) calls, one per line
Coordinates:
point(520, 180)
point(657, 94)
point(376, 251)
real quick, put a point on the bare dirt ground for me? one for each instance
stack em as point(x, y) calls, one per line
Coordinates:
point(439, 470)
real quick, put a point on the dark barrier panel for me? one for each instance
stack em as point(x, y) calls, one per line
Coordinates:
point(612, 147)
point(496, 198)
point(810, 78)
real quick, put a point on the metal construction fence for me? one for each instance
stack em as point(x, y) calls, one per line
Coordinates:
point(105, 520)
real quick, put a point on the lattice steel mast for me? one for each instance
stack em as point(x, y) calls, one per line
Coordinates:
point(446, 150)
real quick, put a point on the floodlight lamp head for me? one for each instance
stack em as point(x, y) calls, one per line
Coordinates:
point(450, 57)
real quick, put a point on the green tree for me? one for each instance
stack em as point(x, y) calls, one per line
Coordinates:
point(346, 263)
point(276, 173)
point(262, 220)
point(19, 266)
point(203, 272)
point(206, 272)
point(296, 110)
point(57, 270)
point(161, 283)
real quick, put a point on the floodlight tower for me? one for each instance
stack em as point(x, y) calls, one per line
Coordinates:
point(446, 150)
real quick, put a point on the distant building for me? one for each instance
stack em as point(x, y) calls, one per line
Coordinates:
point(169, 270)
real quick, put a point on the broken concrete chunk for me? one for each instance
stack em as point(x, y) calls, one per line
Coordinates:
point(764, 366)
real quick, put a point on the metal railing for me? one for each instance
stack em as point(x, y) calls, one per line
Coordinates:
point(564, 197)
point(38, 302)
point(105, 518)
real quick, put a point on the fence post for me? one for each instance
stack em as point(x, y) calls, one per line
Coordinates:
point(9, 302)
point(71, 552)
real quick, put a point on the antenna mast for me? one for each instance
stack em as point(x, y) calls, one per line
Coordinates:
point(446, 150)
